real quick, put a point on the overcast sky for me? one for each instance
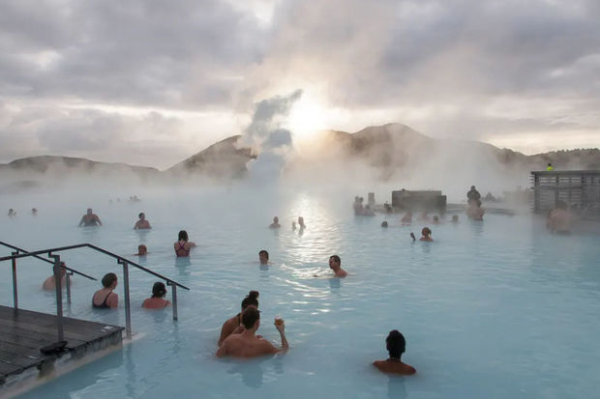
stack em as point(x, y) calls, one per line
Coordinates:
point(153, 82)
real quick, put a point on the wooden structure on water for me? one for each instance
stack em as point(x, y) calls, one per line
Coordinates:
point(427, 200)
point(35, 347)
point(24, 333)
point(579, 189)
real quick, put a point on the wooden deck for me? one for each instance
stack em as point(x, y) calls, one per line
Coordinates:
point(23, 333)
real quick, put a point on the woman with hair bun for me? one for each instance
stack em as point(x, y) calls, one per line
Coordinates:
point(234, 325)
point(157, 301)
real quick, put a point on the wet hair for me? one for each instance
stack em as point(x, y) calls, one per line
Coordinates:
point(426, 231)
point(108, 279)
point(384, 224)
point(336, 259)
point(142, 246)
point(263, 251)
point(250, 300)
point(158, 290)
point(395, 343)
point(183, 235)
point(140, 215)
point(249, 317)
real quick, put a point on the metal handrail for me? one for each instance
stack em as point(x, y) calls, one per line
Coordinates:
point(69, 247)
point(120, 260)
point(47, 260)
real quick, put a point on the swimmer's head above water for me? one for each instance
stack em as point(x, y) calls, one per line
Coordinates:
point(183, 235)
point(142, 250)
point(263, 257)
point(395, 344)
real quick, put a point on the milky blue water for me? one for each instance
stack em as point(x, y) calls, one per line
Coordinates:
point(498, 309)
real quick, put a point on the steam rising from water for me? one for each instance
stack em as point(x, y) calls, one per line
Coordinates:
point(265, 135)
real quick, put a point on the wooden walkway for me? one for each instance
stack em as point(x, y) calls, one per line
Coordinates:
point(23, 333)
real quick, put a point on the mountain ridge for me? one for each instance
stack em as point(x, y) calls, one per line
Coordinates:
point(389, 147)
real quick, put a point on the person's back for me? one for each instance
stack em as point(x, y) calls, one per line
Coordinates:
point(157, 301)
point(105, 298)
point(396, 346)
point(183, 246)
point(394, 367)
point(248, 345)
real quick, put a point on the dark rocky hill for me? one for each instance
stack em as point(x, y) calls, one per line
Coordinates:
point(221, 160)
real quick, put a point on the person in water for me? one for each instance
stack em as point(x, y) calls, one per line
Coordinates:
point(183, 246)
point(142, 250)
point(384, 223)
point(407, 218)
point(105, 298)
point(559, 219)
point(473, 195)
point(12, 213)
point(475, 211)
point(396, 346)
point(335, 264)
point(90, 219)
point(426, 234)
point(234, 325)
point(50, 283)
point(157, 301)
point(263, 257)
point(142, 223)
point(454, 218)
point(301, 222)
point(247, 344)
point(275, 224)
point(436, 219)
point(34, 211)
point(424, 217)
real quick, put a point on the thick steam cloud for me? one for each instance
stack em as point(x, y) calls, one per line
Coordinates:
point(272, 143)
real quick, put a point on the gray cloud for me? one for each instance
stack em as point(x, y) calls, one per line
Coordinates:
point(457, 62)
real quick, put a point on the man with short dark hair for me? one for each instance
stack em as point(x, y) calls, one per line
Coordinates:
point(335, 264)
point(247, 344)
point(396, 346)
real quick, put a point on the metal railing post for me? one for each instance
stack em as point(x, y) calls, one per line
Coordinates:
point(14, 277)
point(174, 293)
point(68, 281)
point(127, 302)
point(59, 304)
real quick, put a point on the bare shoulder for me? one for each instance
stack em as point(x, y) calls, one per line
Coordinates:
point(267, 347)
point(380, 365)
